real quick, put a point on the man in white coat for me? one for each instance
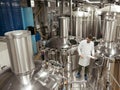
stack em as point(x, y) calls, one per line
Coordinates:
point(85, 51)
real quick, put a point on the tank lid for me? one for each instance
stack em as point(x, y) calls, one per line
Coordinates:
point(17, 34)
point(111, 8)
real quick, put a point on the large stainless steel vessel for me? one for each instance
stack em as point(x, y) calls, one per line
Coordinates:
point(86, 20)
point(62, 40)
point(79, 24)
point(25, 74)
point(20, 50)
point(110, 27)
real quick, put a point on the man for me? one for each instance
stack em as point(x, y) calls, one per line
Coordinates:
point(85, 51)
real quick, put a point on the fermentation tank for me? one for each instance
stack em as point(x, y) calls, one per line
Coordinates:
point(108, 48)
point(110, 30)
point(20, 50)
point(79, 24)
point(86, 20)
point(110, 22)
point(60, 41)
point(110, 27)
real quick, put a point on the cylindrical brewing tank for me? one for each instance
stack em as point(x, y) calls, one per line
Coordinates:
point(20, 50)
point(79, 24)
point(110, 27)
point(64, 26)
point(86, 21)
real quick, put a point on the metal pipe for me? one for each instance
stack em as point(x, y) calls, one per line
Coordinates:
point(70, 17)
point(61, 7)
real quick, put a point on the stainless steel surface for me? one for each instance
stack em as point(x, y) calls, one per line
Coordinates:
point(70, 2)
point(57, 43)
point(111, 8)
point(79, 23)
point(9, 81)
point(109, 78)
point(74, 57)
point(20, 50)
point(64, 23)
point(110, 27)
point(50, 74)
point(25, 74)
point(57, 55)
point(86, 20)
point(108, 49)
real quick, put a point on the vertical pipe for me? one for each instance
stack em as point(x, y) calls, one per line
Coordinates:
point(70, 17)
point(61, 7)
point(45, 14)
point(69, 65)
point(64, 26)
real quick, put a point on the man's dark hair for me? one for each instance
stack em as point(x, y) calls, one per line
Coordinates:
point(90, 37)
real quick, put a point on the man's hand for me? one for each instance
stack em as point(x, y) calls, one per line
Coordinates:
point(81, 56)
point(93, 57)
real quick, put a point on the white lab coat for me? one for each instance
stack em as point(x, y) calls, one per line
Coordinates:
point(86, 50)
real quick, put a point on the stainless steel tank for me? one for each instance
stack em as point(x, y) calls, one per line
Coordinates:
point(87, 21)
point(79, 24)
point(110, 27)
point(74, 57)
point(20, 50)
point(110, 19)
point(62, 40)
point(64, 23)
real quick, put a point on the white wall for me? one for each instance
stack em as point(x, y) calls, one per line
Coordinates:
point(4, 56)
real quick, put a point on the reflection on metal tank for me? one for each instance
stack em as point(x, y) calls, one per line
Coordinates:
point(9, 81)
point(110, 27)
point(79, 24)
point(20, 50)
point(108, 49)
point(62, 41)
point(57, 43)
point(64, 26)
point(111, 22)
point(87, 21)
